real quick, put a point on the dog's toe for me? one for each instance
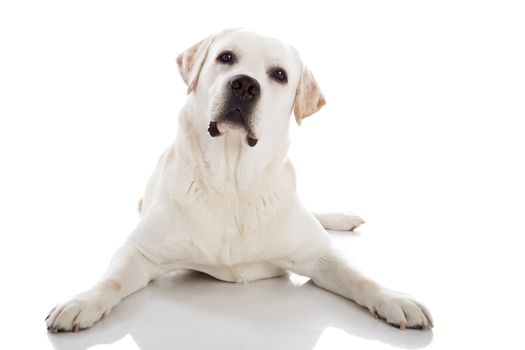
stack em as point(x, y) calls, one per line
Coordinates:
point(402, 311)
point(76, 314)
point(340, 221)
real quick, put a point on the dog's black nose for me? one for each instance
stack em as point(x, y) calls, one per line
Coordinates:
point(244, 87)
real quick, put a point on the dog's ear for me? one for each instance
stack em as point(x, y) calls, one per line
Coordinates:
point(190, 62)
point(308, 97)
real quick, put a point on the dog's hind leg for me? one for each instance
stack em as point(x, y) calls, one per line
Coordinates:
point(339, 221)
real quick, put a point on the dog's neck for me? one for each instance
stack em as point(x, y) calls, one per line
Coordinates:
point(227, 163)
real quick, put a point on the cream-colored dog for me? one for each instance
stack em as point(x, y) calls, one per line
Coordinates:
point(222, 199)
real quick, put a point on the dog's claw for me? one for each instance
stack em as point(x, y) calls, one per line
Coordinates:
point(402, 325)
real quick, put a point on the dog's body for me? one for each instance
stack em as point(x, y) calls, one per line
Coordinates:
point(222, 199)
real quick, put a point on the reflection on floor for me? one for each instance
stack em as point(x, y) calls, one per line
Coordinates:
point(195, 311)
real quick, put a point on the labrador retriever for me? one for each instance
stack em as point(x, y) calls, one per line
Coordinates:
point(222, 199)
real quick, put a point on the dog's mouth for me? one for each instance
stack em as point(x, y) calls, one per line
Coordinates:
point(235, 119)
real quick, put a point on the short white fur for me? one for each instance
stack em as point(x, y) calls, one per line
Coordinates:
point(219, 206)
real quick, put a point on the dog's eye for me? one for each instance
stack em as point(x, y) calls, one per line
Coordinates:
point(226, 57)
point(279, 75)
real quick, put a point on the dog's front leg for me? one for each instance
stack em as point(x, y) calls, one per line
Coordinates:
point(128, 272)
point(330, 270)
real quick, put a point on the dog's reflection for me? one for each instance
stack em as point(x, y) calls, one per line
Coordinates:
point(195, 311)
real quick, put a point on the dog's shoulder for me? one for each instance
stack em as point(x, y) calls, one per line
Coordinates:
point(162, 165)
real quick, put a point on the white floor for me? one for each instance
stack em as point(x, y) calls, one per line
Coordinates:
point(473, 298)
point(422, 135)
point(202, 313)
point(458, 248)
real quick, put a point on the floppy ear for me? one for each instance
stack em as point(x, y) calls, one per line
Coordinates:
point(308, 97)
point(190, 62)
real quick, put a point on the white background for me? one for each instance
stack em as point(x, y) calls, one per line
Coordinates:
point(423, 136)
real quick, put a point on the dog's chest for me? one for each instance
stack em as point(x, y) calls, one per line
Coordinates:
point(231, 232)
point(223, 223)
point(239, 235)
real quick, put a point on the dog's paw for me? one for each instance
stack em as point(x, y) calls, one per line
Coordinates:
point(339, 221)
point(401, 311)
point(79, 313)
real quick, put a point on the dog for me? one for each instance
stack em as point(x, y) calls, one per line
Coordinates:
point(222, 199)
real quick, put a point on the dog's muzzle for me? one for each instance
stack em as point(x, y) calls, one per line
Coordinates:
point(244, 92)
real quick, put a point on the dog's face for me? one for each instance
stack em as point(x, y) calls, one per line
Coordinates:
point(244, 82)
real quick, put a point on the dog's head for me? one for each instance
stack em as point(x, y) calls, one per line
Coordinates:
point(245, 82)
